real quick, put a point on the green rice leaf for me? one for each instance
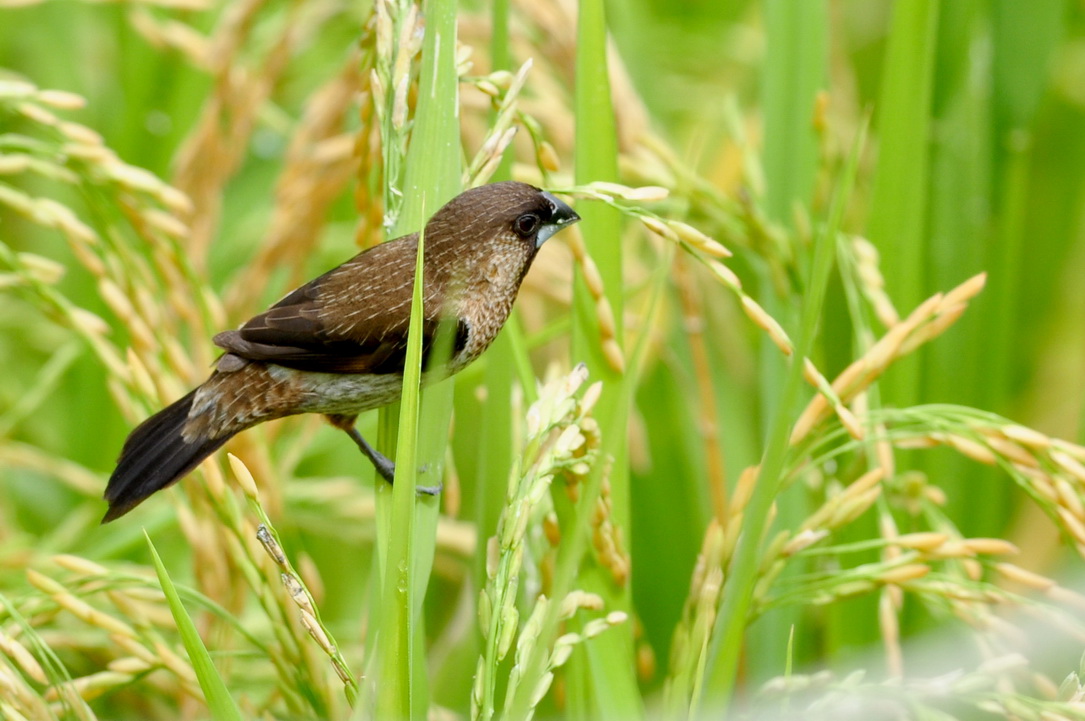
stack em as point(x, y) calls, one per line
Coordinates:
point(219, 702)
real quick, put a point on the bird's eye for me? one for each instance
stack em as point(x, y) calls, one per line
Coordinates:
point(526, 224)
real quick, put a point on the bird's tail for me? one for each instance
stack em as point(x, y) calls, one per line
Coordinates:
point(155, 456)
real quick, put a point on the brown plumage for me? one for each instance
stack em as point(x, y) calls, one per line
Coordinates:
point(336, 345)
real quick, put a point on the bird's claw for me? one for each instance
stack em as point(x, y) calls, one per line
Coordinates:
point(386, 469)
point(429, 490)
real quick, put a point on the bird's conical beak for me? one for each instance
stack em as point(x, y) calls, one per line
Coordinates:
point(561, 217)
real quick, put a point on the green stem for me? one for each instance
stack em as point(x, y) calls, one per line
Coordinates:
point(726, 645)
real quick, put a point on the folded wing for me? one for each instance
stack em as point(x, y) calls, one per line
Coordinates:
point(352, 319)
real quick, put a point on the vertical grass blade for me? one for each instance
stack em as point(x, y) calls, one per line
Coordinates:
point(730, 627)
point(794, 74)
point(601, 683)
point(434, 157)
point(219, 702)
point(395, 646)
point(898, 213)
point(959, 226)
point(1024, 38)
point(433, 177)
point(406, 529)
point(496, 442)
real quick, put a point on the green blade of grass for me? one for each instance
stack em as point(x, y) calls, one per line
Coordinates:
point(219, 702)
point(898, 212)
point(397, 625)
point(406, 526)
point(1023, 38)
point(794, 74)
point(601, 683)
point(496, 442)
point(434, 171)
point(730, 627)
point(959, 177)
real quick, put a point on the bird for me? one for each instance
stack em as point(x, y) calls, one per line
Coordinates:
point(336, 346)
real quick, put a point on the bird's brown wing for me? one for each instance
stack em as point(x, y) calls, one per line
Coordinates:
point(352, 319)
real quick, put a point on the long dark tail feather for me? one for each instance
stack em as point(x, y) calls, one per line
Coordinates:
point(155, 456)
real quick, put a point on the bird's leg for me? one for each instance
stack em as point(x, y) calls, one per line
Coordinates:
point(386, 469)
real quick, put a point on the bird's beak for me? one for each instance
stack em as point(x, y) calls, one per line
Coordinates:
point(562, 216)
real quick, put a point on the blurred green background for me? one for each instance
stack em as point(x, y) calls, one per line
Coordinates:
point(975, 162)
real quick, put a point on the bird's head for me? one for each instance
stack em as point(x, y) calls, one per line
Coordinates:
point(508, 217)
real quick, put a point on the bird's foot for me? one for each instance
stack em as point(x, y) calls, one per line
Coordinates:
point(429, 490)
point(385, 468)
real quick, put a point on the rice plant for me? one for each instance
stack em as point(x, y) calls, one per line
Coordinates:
point(788, 426)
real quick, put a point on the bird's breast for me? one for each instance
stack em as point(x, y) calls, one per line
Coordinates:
point(483, 314)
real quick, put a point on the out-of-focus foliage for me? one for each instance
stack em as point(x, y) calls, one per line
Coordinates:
point(169, 167)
